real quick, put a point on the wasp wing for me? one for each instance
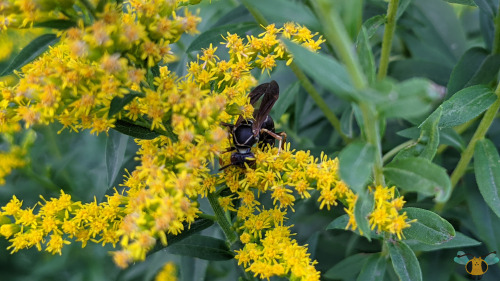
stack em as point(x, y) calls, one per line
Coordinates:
point(461, 258)
point(271, 95)
point(491, 258)
point(254, 95)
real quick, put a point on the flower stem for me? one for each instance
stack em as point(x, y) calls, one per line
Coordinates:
point(221, 219)
point(337, 37)
point(396, 149)
point(496, 41)
point(387, 41)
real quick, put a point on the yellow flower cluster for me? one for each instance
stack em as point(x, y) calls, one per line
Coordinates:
point(167, 273)
point(386, 216)
point(22, 13)
point(76, 81)
point(12, 159)
point(262, 52)
point(276, 254)
point(59, 219)
point(286, 176)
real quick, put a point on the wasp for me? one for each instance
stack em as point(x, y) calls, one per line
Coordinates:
point(259, 130)
point(476, 267)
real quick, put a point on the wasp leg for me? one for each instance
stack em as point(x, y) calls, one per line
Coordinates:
point(281, 137)
point(227, 124)
point(232, 148)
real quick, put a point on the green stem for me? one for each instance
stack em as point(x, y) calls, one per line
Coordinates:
point(337, 36)
point(207, 216)
point(89, 8)
point(372, 137)
point(221, 219)
point(485, 124)
point(396, 149)
point(255, 13)
point(320, 102)
point(496, 41)
point(387, 41)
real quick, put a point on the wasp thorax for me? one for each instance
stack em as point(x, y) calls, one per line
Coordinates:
point(244, 136)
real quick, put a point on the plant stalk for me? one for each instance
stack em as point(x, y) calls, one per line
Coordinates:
point(390, 26)
point(221, 219)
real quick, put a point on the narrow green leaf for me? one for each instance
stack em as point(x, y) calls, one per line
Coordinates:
point(116, 144)
point(340, 223)
point(403, 4)
point(485, 224)
point(203, 247)
point(117, 104)
point(324, 69)
point(214, 35)
point(365, 55)
point(30, 52)
point(364, 206)
point(411, 98)
point(56, 24)
point(135, 131)
point(487, 168)
point(465, 69)
point(429, 135)
point(404, 261)
point(372, 24)
point(286, 99)
point(356, 162)
point(458, 241)
point(281, 11)
point(347, 122)
point(451, 137)
point(374, 269)
point(465, 105)
point(419, 175)
point(463, 2)
point(429, 228)
point(348, 267)
point(410, 68)
point(487, 6)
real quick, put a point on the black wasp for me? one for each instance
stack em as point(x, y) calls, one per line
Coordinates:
point(260, 129)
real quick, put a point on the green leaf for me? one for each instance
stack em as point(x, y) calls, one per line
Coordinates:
point(374, 269)
point(347, 122)
point(214, 35)
point(203, 247)
point(356, 162)
point(281, 11)
point(286, 99)
point(117, 104)
point(463, 2)
point(408, 99)
point(30, 52)
point(451, 137)
point(486, 224)
point(475, 67)
point(364, 206)
point(365, 55)
point(116, 144)
point(487, 6)
point(372, 24)
point(411, 68)
point(458, 241)
point(135, 131)
point(487, 168)
point(403, 4)
point(404, 261)
point(340, 223)
point(348, 267)
point(465, 105)
point(429, 228)
point(324, 69)
point(419, 175)
point(56, 24)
